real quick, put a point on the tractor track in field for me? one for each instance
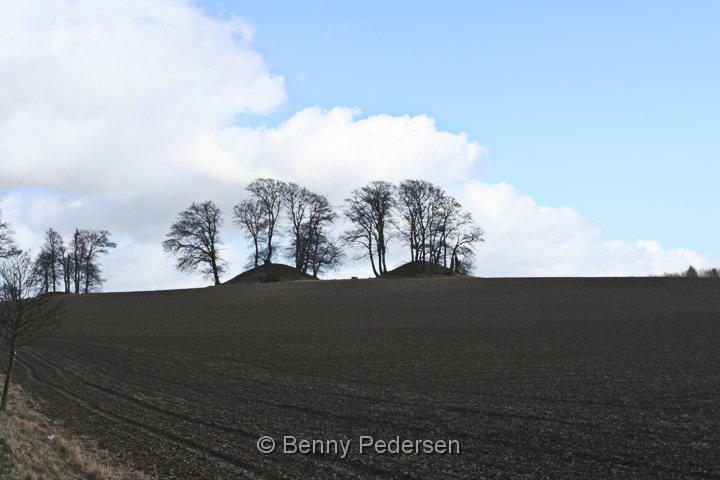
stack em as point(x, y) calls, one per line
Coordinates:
point(149, 429)
point(188, 444)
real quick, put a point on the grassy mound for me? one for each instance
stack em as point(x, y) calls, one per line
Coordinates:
point(418, 269)
point(270, 272)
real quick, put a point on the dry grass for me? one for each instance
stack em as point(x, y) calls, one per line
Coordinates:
point(32, 447)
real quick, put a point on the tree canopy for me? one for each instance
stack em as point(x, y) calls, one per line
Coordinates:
point(194, 237)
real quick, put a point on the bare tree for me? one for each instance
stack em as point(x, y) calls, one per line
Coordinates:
point(325, 254)
point(691, 272)
point(98, 242)
point(67, 269)
point(711, 273)
point(76, 251)
point(418, 203)
point(194, 237)
point(270, 194)
point(452, 235)
point(25, 315)
point(41, 270)
point(461, 241)
point(448, 219)
point(49, 264)
point(6, 241)
point(370, 211)
point(248, 216)
point(435, 227)
point(85, 249)
point(310, 216)
point(297, 201)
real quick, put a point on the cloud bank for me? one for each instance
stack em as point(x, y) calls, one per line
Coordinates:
point(117, 115)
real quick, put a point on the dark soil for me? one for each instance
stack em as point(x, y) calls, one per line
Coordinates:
point(536, 378)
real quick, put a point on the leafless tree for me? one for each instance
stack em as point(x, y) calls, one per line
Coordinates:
point(49, 263)
point(460, 242)
point(248, 216)
point(711, 273)
point(448, 219)
point(85, 249)
point(434, 225)
point(325, 254)
point(310, 216)
point(25, 314)
point(67, 269)
point(452, 235)
point(6, 241)
point(418, 204)
point(195, 238)
point(76, 252)
point(370, 211)
point(298, 201)
point(270, 194)
point(41, 269)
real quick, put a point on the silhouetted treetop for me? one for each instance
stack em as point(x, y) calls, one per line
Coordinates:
point(194, 238)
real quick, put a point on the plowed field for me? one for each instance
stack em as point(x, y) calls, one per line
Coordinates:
point(556, 378)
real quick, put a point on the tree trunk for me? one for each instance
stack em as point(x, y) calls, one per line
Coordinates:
point(381, 250)
point(66, 274)
point(8, 373)
point(268, 258)
point(372, 258)
point(454, 260)
point(87, 277)
point(298, 260)
point(54, 275)
point(215, 270)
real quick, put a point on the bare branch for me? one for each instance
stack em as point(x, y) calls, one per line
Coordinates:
point(194, 237)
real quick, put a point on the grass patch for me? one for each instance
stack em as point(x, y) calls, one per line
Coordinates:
point(32, 447)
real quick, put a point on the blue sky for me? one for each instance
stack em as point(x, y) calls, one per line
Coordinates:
point(610, 107)
point(583, 137)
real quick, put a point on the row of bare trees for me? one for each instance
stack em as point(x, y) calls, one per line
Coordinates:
point(274, 209)
point(277, 209)
point(72, 267)
point(428, 220)
point(693, 272)
point(417, 212)
point(75, 266)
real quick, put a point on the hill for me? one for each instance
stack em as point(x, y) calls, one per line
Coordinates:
point(419, 269)
point(270, 273)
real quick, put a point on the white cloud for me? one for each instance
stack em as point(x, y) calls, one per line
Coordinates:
point(100, 96)
point(334, 152)
point(117, 115)
point(527, 239)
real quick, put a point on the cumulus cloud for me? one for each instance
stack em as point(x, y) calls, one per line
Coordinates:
point(117, 115)
point(333, 150)
point(100, 96)
point(524, 238)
